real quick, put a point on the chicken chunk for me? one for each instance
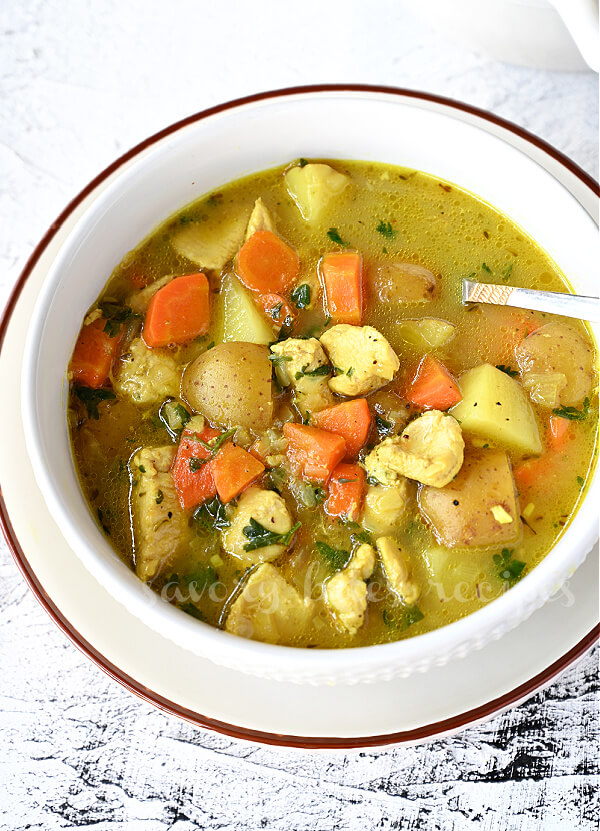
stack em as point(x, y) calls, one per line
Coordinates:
point(269, 510)
point(269, 609)
point(138, 301)
point(160, 525)
point(479, 507)
point(346, 591)
point(396, 566)
point(147, 375)
point(430, 449)
point(386, 506)
point(261, 219)
point(212, 243)
point(558, 352)
point(363, 357)
point(299, 364)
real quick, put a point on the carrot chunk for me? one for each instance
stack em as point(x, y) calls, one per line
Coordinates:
point(233, 470)
point(433, 387)
point(350, 419)
point(559, 433)
point(266, 263)
point(346, 491)
point(530, 472)
point(93, 355)
point(277, 309)
point(313, 453)
point(192, 468)
point(178, 312)
point(342, 277)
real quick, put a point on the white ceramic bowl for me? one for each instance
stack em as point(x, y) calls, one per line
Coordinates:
point(213, 150)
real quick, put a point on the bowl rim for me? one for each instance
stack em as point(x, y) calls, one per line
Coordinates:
point(341, 88)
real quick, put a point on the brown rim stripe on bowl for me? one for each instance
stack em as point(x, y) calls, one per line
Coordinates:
point(453, 724)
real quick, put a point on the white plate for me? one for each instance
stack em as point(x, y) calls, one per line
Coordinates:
point(463, 692)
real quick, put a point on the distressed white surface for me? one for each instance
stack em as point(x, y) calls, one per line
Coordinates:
point(80, 83)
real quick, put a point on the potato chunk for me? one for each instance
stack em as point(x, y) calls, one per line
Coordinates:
point(312, 187)
point(346, 591)
point(269, 510)
point(362, 356)
point(557, 349)
point(160, 525)
point(386, 506)
point(396, 566)
point(147, 375)
point(298, 360)
point(404, 283)
point(465, 512)
point(495, 407)
point(269, 609)
point(430, 449)
point(242, 321)
point(230, 384)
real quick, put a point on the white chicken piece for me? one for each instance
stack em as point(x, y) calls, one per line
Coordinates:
point(346, 591)
point(212, 243)
point(397, 570)
point(362, 357)
point(299, 364)
point(269, 510)
point(269, 609)
point(386, 506)
point(147, 375)
point(138, 301)
point(430, 449)
point(313, 186)
point(261, 219)
point(160, 525)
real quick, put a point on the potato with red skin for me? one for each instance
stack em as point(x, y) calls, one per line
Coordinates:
point(230, 385)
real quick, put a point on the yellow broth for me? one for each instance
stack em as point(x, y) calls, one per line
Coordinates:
point(431, 223)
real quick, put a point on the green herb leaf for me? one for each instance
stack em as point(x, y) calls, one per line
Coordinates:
point(302, 162)
point(580, 481)
point(104, 526)
point(196, 464)
point(507, 568)
point(334, 236)
point(91, 398)
point(386, 230)
point(260, 537)
point(400, 620)
point(507, 369)
point(211, 515)
point(173, 416)
point(277, 360)
point(192, 610)
point(350, 372)
point(486, 267)
point(383, 426)
point(507, 273)
point(301, 296)
point(320, 370)
point(159, 497)
point(115, 314)
point(335, 558)
point(572, 413)
point(362, 537)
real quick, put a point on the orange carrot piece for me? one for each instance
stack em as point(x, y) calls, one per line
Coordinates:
point(193, 480)
point(266, 263)
point(559, 433)
point(342, 277)
point(313, 453)
point(233, 470)
point(178, 312)
point(93, 355)
point(277, 309)
point(346, 490)
point(530, 472)
point(433, 387)
point(350, 419)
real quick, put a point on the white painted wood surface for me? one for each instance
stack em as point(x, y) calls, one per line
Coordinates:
point(80, 83)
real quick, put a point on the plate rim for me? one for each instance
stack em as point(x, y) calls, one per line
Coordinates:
point(422, 733)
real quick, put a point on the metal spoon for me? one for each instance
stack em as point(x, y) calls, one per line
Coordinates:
point(569, 305)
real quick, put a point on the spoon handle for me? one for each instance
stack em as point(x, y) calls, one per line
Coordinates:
point(569, 305)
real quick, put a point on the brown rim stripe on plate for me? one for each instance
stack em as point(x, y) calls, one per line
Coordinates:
point(487, 710)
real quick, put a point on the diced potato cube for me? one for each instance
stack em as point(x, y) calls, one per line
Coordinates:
point(426, 333)
point(312, 187)
point(242, 321)
point(495, 407)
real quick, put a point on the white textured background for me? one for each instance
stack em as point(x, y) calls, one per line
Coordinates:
point(81, 82)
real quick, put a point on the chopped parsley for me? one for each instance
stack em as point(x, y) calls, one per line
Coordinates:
point(301, 296)
point(302, 162)
point(507, 273)
point(103, 525)
point(580, 481)
point(486, 267)
point(383, 426)
point(320, 370)
point(159, 497)
point(173, 416)
point(211, 515)
point(362, 536)
point(277, 360)
point(400, 620)
point(335, 558)
point(196, 464)
point(386, 230)
point(508, 569)
point(507, 369)
point(115, 314)
point(215, 444)
point(259, 536)
point(334, 236)
point(91, 398)
point(572, 413)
